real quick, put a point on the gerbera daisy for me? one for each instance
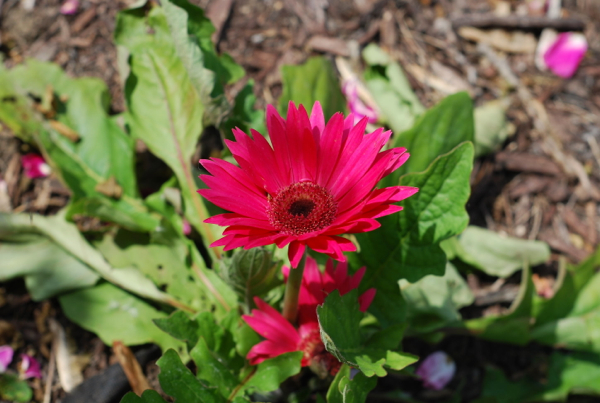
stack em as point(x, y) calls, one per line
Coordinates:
point(316, 285)
point(316, 182)
point(282, 337)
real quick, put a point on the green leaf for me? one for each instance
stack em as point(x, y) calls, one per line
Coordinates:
point(180, 326)
point(148, 396)
point(571, 318)
point(436, 132)
point(434, 301)
point(167, 265)
point(312, 81)
point(212, 369)
point(13, 389)
point(515, 325)
point(339, 321)
point(491, 128)
point(577, 373)
point(114, 314)
point(68, 237)
point(47, 268)
point(165, 111)
point(407, 244)
point(391, 90)
point(179, 382)
point(271, 373)
point(346, 390)
point(243, 115)
point(99, 168)
point(499, 255)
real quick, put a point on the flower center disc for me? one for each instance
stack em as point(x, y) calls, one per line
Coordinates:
point(301, 208)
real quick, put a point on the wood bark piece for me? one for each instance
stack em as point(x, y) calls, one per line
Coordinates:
point(328, 44)
point(525, 162)
point(218, 12)
point(557, 244)
point(131, 367)
point(517, 22)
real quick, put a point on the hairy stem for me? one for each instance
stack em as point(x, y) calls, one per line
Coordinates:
point(292, 290)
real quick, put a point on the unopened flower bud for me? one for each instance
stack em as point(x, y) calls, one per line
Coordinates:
point(250, 272)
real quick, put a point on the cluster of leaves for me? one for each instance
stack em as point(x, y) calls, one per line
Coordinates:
point(139, 269)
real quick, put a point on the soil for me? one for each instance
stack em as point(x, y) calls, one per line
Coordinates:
point(537, 186)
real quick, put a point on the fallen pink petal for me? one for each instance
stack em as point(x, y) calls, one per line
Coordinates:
point(437, 370)
point(355, 104)
point(30, 367)
point(565, 54)
point(6, 356)
point(34, 166)
point(69, 7)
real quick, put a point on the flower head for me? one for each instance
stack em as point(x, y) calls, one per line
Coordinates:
point(281, 337)
point(316, 182)
point(30, 367)
point(34, 166)
point(6, 356)
point(436, 370)
point(565, 54)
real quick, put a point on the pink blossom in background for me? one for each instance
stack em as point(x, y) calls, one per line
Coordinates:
point(30, 367)
point(437, 370)
point(69, 7)
point(281, 337)
point(34, 166)
point(6, 356)
point(316, 286)
point(565, 54)
point(355, 104)
point(187, 228)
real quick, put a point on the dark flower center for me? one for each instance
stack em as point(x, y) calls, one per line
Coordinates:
point(301, 208)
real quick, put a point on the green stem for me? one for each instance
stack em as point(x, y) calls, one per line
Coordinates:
point(292, 290)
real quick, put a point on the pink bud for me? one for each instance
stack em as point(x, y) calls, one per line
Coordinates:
point(69, 7)
point(355, 104)
point(436, 370)
point(6, 356)
point(187, 228)
point(35, 166)
point(565, 54)
point(29, 368)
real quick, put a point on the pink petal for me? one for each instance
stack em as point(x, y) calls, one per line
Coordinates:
point(6, 356)
point(34, 166)
point(295, 252)
point(317, 120)
point(437, 370)
point(30, 367)
point(69, 7)
point(366, 299)
point(563, 57)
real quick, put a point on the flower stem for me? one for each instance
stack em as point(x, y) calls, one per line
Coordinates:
point(292, 290)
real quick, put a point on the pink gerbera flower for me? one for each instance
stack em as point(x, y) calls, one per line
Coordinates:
point(313, 184)
point(316, 285)
point(281, 337)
